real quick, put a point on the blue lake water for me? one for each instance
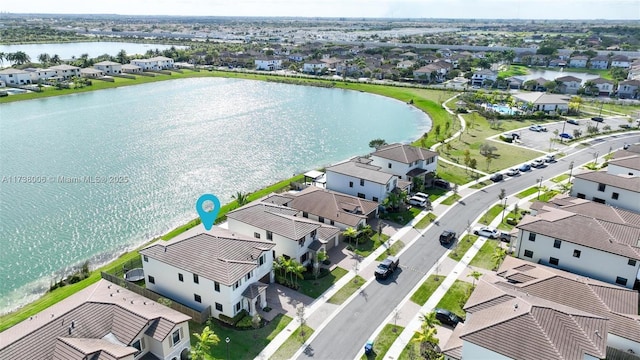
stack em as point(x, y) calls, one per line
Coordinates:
point(90, 175)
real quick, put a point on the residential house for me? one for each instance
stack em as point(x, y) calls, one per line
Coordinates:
point(405, 64)
point(38, 74)
point(573, 234)
point(618, 185)
point(515, 82)
point(220, 269)
point(329, 207)
point(557, 63)
point(358, 177)
point(313, 66)
point(599, 62)
point(297, 57)
point(91, 73)
point(483, 77)
point(605, 87)
point(15, 77)
point(409, 55)
point(620, 61)
point(268, 63)
point(332, 63)
point(155, 63)
point(536, 84)
point(102, 321)
point(406, 162)
point(539, 101)
point(569, 84)
point(131, 69)
point(65, 71)
point(433, 72)
point(530, 311)
point(444, 52)
point(294, 237)
point(628, 89)
point(109, 67)
point(578, 61)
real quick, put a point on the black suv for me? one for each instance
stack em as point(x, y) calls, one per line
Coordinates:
point(597, 119)
point(447, 237)
point(446, 317)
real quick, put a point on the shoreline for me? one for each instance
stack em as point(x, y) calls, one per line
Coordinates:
point(115, 259)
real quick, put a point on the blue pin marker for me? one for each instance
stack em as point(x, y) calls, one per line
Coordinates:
point(208, 217)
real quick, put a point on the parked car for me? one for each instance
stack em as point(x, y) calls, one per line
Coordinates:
point(537, 128)
point(446, 317)
point(496, 177)
point(418, 201)
point(387, 267)
point(597, 119)
point(443, 184)
point(566, 136)
point(487, 231)
point(447, 237)
point(422, 195)
point(537, 163)
point(550, 158)
point(524, 167)
point(572, 122)
point(626, 146)
point(513, 172)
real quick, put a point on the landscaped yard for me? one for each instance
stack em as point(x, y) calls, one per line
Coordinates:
point(426, 221)
point(547, 195)
point(427, 288)
point(412, 350)
point(456, 297)
point(243, 344)
point(451, 199)
point(401, 218)
point(315, 288)
point(484, 257)
point(365, 249)
point(560, 178)
point(491, 214)
point(347, 290)
point(383, 341)
point(462, 246)
point(290, 346)
point(454, 174)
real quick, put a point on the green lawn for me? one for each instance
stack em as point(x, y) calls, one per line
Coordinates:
point(610, 108)
point(427, 288)
point(290, 346)
point(315, 288)
point(480, 185)
point(347, 290)
point(454, 174)
point(426, 221)
point(401, 218)
point(412, 350)
point(370, 246)
point(462, 246)
point(528, 192)
point(491, 214)
point(484, 257)
point(547, 195)
point(560, 178)
point(244, 344)
point(383, 341)
point(451, 199)
point(514, 70)
point(393, 250)
point(456, 297)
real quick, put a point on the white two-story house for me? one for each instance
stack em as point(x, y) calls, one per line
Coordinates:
point(620, 61)
point(480, 77)
point(406, 161)
point(578, 61)
point(605, 87)
point(109, 67)
point(570, 84)
point(102, 321)
point(313, 66)
point(15, 77)
point(358, 177)
point(294, 235)
point(221, 269)
point(574, 234)
point(65, 71)
point(268, 63)
point(155, 63)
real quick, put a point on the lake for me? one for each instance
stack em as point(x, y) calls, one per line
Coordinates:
point(91, 175)
point(68, 50)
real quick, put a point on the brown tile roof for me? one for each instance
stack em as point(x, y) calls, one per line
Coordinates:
point(569, 78)
point(592, 209)
point(219, 255)
point(95, 312)
point(631, 183)
point(94, 346)
point(280, 220)
point(403, 153)
point(631, 162)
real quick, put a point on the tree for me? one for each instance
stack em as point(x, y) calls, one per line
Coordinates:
point(55, 59)
point(428, 341)
point(297, 271)
point(44, 59)
point(429, 320)
point(498, 256)
point(122, 57)
point(377, 143)
point(473, 163)
point(551, 86)
point(241, 198)
point(467, 159)
point(502, 195)
point(205, 341)
point(436, 130)
point(476, 276)
point(487, 150)
point(18, 57)
point(350, 233)
point(300, 315)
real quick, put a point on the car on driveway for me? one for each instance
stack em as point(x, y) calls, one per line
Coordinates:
point(418, 201)
point(524, 167)
point(566, 136)
point(487, 231)
point(537, 163)
point(443, 184)
point(572, 122)
point(537, 128)
point(446, 317)
point(597, 119)
point(496, 177)
point(504, 236)
point(422, 195)
point(513, 172)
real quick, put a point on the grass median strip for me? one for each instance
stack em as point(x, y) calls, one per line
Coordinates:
point(291, 345)
point(383, 341)
point(456, 297)
point(528, 192)
point(347, 290)
point(393, 250)
point(484, 257)
point(427, 289)
point(451, 199)
point(462, 246)
point(426, 221)
point(491, 214)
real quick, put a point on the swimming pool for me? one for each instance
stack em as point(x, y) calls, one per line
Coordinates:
point(503, 109)
point(12, 91)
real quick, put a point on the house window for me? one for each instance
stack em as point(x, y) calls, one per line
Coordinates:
point(615, 196)
point(218, 306)
point(216, 286)
point(557, 243)
point(361, 182)
point(249, 275)
point(256, 235)
point(138, 345)
point(576, 253)
point(528, 253)
point(621, 281)
point(601, 187)
point(196, 279)
point(270, 234)
point(331, 222)
point(236, 285)
point(145, 258)
point(350, 183)
point(237, 307)
point(301, 241)
point(321, 219)
point(631, 262)
point(152, 279)
point(197, 298)
point(175, 337)
point(598, 200)
point(532, 237)
point(180, 277)
point(361, 196)
point(314, 233)
point(389, 165)
point(580, 196)
point(553, 261)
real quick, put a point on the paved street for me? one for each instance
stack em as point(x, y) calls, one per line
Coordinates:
point(343, 336)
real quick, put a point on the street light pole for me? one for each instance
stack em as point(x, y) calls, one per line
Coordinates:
point(539, 187)
point(227, 340)
point(504, 207)
point(570, 171)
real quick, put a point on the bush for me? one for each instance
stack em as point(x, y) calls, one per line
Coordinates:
point(246, 323)
point(308, 275)
point(234, 320)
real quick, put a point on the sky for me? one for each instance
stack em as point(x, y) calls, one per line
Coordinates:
point(466, 9)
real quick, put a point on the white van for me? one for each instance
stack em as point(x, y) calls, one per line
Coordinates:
point(418, 201)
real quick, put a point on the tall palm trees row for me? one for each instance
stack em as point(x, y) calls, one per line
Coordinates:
point(289, 267)
point(21, 58)
point(18, 57)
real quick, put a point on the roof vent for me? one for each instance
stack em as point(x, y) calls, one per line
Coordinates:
point(144, 303)
point(598, 334)
point(52, 315)
point(69, 330)
point(109, 287)
point(118, 290)
point(111, 294)
point(131, 301)
point(73, 324)
point(515, 307)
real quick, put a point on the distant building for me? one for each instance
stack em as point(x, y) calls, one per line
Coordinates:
point(268, 63)
point(539, 101)
point(109, 67)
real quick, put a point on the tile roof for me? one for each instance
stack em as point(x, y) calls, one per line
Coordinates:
point(403, 153)
point(93, 313)
point(592, 209)
point(542, 98)
point(360, 170)
point(631, 162)
point(92, 346)
point(106, 63)
point(219, 255)
point(569, 78)
point(627, 182)
point(280, 220)
point(64, 67)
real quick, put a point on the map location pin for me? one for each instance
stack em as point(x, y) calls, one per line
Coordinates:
point(208, 217)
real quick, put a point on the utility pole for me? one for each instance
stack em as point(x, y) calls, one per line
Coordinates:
point(539, 187)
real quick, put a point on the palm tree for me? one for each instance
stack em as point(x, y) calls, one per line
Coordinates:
point(297, 270)
point(55, 59)
point(475, 275)
point(429, 320)
point(122, 57)
point(44, 59)
point(241, 198)
point(498, 256)
point(350, 233)
point(18, 57)
point(428, 341)
point(205, 341)
point(3, 56)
